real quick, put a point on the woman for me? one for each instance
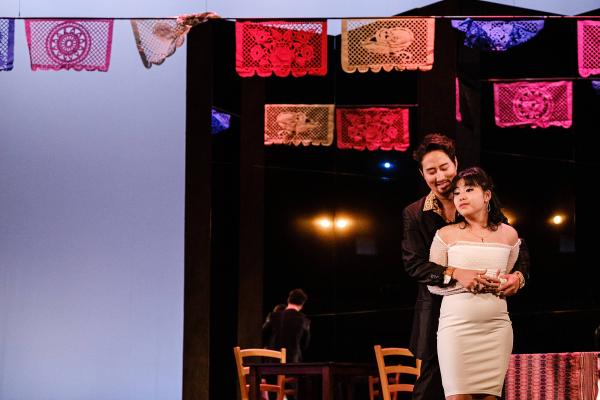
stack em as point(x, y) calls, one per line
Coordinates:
point(475, 333)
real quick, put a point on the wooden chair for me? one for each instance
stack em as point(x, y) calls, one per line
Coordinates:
point(391, 386)
point(243, 371)
point(375, 387)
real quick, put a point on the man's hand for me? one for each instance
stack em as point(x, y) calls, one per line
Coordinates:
point(511, 286)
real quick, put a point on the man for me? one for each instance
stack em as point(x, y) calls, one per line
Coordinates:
point(289, 329)
point(438, 165)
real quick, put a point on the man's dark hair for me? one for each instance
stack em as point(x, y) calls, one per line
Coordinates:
point(433, 142)
point(297, 297)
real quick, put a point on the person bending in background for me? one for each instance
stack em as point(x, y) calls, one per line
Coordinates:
point(289, 328)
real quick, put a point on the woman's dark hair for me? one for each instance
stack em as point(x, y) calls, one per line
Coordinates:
point(476, 176)
point(433, 142)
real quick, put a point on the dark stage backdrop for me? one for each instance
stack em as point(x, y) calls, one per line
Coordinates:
point(263, 198)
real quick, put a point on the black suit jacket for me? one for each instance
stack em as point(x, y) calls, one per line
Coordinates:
point(289, 329)
point(419, 229)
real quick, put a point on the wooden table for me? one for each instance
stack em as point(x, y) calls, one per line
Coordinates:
point(330, 372)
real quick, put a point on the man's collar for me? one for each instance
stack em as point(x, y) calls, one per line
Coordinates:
point(432, 203)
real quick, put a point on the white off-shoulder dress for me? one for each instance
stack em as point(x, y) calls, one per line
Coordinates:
point(475, 335)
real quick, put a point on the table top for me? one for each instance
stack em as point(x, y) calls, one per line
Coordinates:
point(315, 367)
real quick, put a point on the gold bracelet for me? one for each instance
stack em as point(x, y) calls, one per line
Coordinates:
point(521, 279)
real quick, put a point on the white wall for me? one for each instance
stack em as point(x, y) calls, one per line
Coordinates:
point(91, 205)
point(91, 225)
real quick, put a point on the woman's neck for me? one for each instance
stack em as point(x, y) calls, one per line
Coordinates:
point(478, 222)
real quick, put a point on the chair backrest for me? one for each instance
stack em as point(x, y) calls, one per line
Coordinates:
point(243, 371)
point(397, 369)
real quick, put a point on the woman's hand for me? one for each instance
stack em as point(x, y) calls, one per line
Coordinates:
point(476, 281)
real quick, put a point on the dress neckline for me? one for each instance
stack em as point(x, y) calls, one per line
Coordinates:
point(475, 243)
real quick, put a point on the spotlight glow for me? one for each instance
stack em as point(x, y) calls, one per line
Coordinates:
point(512, 219)
point(387, 165)
point(558, 219)
point(324, 223)
point(342, 223)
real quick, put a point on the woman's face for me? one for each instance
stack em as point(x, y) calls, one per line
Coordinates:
point(470, 200)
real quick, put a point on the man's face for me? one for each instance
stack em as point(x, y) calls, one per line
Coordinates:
point(438, 170)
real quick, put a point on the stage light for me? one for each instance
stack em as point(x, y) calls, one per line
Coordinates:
point(342, 223)
point(324, 223)
point(387, 165)
point(558, 219)
point(339, 224)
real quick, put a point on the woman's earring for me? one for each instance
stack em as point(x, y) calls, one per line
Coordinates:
point(489, 208)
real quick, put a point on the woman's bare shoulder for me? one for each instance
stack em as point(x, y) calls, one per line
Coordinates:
point(510, 233)
point(449, 232)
